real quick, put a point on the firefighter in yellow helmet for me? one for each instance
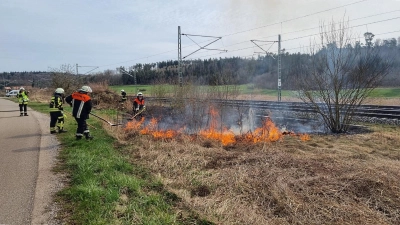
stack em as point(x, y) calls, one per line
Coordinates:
point(23, 101)
point(56, 112)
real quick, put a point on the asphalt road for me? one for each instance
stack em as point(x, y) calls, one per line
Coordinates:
point(27, 154)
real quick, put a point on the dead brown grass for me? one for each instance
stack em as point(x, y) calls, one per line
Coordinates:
point(341, 179)
point(40, 95)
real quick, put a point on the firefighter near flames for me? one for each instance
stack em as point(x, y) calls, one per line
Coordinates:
point(138, 106)
point(81, 107)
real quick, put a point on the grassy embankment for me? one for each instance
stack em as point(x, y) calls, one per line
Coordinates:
point(104, 187)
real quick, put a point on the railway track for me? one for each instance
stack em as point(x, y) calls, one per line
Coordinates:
point(371, 111)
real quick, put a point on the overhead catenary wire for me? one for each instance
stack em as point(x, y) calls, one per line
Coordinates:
point(313, 28)
point(308, 35)
point(285, 21)
point(296, 18)
point(302, 36)
point(348, 27)
point(246, 48)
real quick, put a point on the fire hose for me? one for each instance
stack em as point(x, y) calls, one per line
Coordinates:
point(111, 124)
point(138, 113)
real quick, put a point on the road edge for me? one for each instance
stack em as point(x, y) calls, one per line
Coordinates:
point(45, 209)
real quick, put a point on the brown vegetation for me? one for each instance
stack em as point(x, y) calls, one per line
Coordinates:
point(332, 179)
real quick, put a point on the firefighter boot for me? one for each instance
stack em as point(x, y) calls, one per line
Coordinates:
point(88, 136)
point(61, 130)
point(78, 136)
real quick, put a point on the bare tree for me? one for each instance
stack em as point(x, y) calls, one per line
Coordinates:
point(64, 77)
point(340, 75)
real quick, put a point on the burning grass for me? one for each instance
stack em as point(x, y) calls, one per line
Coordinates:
point(329, 179)
point(268, 132)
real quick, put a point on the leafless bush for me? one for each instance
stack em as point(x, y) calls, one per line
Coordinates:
point(339, 76)
point(64, 77)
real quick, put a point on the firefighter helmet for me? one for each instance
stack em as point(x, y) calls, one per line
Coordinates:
point(59, 91)
point(86, 89)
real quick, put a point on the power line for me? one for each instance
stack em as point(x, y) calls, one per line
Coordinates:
point(300, 17)
point(318, 33)
point(313, 28)
point(348, 27)
point(235, 50)
point(296, 18)
point(297, 31)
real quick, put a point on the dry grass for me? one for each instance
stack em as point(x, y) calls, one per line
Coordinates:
point(40, 95)
point(341, 179)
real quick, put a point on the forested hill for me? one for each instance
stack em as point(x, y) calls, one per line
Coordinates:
point(260, 70)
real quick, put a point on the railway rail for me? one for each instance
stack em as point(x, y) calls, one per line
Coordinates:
point(371, 111)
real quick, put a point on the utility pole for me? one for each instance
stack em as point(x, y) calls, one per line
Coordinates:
point(180, 57)
point(131, 69)
point(279, 70)
point(128, 73)
point(279, 63)
point(77, 69)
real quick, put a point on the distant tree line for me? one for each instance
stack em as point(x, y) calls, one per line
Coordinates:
point(260, 70)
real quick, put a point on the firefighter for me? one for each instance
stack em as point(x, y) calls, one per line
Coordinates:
point(138, 104)
point(23, 101)
point(123, 96)
point(56, 112)
point(81, 106)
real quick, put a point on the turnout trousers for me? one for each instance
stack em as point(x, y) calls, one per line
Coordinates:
point(56, 118)
point(23, 109)
point(82, 129)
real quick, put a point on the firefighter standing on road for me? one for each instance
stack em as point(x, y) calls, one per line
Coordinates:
point(81, 107)
point(23, 102)
point(56, 112)
point(138, 104)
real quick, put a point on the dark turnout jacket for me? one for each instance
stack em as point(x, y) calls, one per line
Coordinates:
point(81, 104)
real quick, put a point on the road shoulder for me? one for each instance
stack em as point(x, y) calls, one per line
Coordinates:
point(48, 183)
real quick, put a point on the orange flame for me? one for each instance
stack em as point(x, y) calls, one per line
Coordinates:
point(268, 132)
point(305, 137)
point(225, 137)
point(134, 125)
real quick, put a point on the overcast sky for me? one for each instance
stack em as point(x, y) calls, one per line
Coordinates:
point(42, 34)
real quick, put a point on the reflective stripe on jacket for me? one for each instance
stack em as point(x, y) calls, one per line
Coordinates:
point(81, 104)
point(56, 103)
